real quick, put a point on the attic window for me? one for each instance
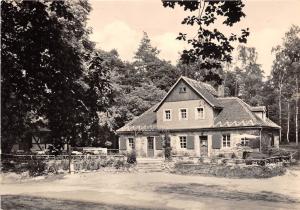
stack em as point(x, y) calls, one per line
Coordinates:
point(182, 89)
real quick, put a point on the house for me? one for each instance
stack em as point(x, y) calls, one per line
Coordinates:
point(199, 121)
point(35, 140)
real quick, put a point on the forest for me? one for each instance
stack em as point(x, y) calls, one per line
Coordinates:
point(53, 75)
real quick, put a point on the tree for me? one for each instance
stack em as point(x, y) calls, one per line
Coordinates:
point(45, 52)
point(150, 68)
point(210, 45)
point(285, 72)
point(246, 79)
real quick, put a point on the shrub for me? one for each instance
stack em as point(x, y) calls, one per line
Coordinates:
point(53, 168)
point(65, 165)
point(221, 155)
point(131, 157)
point(168, 153)
point(233, 155)
point(119, 164)
point(36, 167)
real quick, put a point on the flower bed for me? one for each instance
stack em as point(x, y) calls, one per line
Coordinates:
point(43, 167)
point(232, 171)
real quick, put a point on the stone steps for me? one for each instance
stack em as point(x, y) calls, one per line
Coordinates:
point(149, 165)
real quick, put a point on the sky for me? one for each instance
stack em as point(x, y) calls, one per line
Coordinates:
point(119, 24)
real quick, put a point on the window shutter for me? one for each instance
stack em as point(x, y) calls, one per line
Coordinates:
point(158, 143)
point(190, 142)
point(216, 141)
point(122, 143)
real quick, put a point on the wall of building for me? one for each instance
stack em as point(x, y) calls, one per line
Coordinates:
point(141, 142)
point(191, 121)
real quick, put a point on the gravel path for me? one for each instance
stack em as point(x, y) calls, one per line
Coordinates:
point(153, 191)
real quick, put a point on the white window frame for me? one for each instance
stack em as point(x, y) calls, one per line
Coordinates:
point(131, 145)
point(226, 140)
point(180, 116)
point(245, 142)
point(182, 89)
point(183, 145)
point(196, 113)
point(164, 117)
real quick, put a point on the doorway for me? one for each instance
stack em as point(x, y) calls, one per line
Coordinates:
point(150, 146)
point(203, 146)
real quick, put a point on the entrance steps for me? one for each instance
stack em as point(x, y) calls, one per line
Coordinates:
point(149, 165)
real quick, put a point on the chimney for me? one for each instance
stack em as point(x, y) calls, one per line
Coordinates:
point(221, 90)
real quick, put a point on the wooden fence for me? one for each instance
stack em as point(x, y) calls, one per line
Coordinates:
point(58, 157)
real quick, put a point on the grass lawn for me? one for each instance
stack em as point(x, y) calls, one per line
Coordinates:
point(37, 203)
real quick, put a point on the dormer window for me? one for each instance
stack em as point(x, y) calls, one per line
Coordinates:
point(182, 89)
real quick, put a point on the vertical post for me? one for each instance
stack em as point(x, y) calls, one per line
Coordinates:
point(69, 155)
point(260, 140)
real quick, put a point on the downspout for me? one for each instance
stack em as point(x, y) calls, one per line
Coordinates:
point(260, 139)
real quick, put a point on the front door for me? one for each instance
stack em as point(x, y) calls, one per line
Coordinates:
point(203, 146)
point(150, 146)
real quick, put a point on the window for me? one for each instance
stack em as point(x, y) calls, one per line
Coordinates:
point(167, 116)
point(131, 143)
point(182, 141)
point(182, 89)
point(226, 140)
point(183, 114)
point(244, 142)
point(199, 113)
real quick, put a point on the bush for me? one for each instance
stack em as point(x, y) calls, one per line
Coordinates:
point(119, 164)
point(221, 155)
point(36, 167)
point(230, 171)
point(168, 153)
point(131, 157)
point(233, 155)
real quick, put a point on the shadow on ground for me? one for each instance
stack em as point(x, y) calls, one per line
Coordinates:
point(196, 191)
point(9, 202)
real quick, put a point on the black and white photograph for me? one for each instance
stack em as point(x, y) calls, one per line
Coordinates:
point(150, 105)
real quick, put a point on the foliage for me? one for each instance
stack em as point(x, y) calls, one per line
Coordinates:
point(167, 147)
point(51, 76)
point(131, 157)
point(245, 80)
point(210, 45)
point(285, 71)
point(36, 167)
point(235, 171)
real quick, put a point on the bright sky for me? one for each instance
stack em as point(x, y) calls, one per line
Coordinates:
point(119, 24)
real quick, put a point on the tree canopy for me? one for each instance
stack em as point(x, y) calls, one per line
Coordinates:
point(210, 45)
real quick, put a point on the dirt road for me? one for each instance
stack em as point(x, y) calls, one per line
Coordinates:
point(102, 190)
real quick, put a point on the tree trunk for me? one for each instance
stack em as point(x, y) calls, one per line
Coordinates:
point(296, 115)
point(288, 123)
point(280, 90)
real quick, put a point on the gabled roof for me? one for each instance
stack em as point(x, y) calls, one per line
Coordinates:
point(235, 114)
point(145, 122)
point(238, 113)
point(204, 90)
